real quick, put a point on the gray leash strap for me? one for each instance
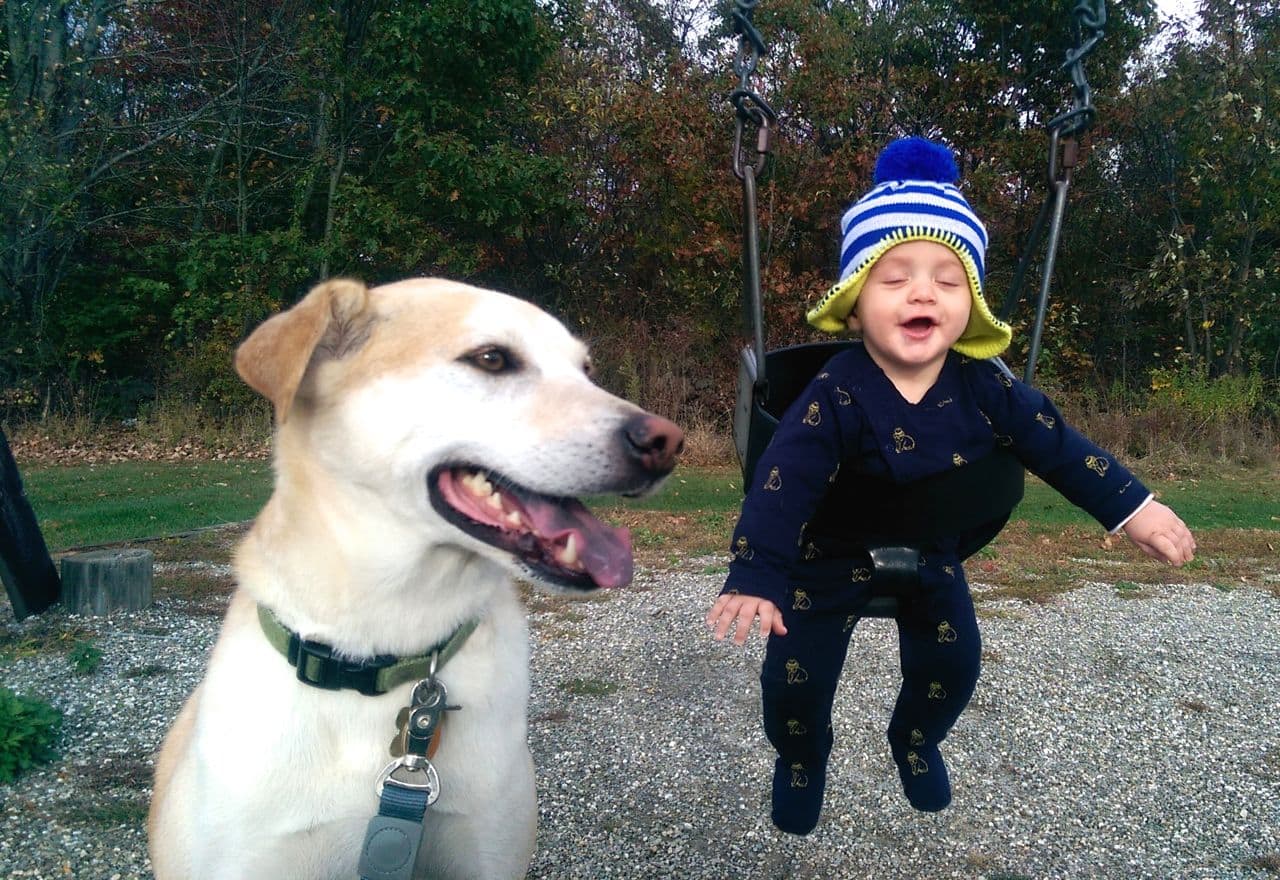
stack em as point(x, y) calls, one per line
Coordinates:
point(390, 847)
point(406, 787)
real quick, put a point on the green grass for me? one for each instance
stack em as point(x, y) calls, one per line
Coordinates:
point(590, 687)
point(1235, 499)
point(112, 812)
point(688, 490)
point(1232, 500)
point(128, 501)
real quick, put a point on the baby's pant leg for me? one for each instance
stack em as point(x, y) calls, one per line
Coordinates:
point(798, 683)
point(941, 651)
point(797, 686)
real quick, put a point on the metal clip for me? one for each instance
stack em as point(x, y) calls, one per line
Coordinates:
point(429, 693)
point(422, 717)
point(414, 772)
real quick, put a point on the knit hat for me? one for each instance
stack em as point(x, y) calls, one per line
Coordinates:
point(914, 199)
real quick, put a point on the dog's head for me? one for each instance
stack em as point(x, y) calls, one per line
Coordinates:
point(464, 410)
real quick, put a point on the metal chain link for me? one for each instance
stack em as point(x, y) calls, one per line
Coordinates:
point(1091, 18)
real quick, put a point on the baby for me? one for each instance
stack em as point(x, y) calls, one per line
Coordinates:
point(917, 396)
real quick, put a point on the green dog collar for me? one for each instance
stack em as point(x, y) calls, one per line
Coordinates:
point(318, 667)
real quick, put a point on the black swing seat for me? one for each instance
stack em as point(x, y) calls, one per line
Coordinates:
point(975, 500)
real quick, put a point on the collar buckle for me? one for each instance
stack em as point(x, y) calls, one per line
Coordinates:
point(316, 666)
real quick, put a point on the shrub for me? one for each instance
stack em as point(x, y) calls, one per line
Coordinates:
point(201, 377)
point(28, 730)
point(1221, 399)
point(1184, 415)
point(85, 657)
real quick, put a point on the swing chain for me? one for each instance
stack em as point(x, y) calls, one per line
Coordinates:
point(750, 106)
point(751, 46)
point(1091, 18)
point(752, 109)
point(1064, 130)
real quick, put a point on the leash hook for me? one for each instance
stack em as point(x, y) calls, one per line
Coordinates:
point(405, 772)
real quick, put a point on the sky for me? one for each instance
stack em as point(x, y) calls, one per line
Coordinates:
point(1177, 8)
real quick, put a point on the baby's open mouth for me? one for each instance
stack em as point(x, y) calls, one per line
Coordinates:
point(556, 538)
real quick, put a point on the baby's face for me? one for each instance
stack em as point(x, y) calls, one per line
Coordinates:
point(914, 305)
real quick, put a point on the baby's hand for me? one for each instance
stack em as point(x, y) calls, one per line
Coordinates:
point(744, 609)
point(1158, 531)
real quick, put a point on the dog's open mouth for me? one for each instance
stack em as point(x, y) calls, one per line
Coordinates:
point(556, 538)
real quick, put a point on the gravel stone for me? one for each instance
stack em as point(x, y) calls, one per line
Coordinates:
point(1110, 737)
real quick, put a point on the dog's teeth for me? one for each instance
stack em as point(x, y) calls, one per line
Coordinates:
point(478, 484)
point(569, 556)
point(513, 519)
point(494, 500)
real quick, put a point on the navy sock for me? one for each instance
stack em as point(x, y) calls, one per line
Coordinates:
point(924, 776)
point(797, 795)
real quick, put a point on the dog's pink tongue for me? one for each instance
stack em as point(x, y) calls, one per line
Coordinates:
point(604, 551)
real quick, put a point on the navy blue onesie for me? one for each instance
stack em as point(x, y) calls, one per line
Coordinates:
point(792, 548)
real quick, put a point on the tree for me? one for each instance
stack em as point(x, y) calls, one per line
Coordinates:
point(1205, 138)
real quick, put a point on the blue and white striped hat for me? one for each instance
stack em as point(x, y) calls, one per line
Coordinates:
point(914, 198)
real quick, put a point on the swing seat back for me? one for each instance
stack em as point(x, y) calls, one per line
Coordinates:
point(759, 408)
point(974, 501)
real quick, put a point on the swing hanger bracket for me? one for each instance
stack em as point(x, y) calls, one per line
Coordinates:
point(750, 108)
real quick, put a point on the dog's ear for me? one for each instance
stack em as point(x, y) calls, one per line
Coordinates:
point(330, 321)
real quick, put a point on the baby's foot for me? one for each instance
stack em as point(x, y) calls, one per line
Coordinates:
point(797, 795)
point(924, 776)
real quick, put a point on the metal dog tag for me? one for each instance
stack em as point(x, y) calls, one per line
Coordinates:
point(402, 729)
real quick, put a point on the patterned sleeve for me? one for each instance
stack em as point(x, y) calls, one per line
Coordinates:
point(1091, 478)
point(791, 478)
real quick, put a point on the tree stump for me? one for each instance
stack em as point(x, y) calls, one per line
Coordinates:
point(104, 581)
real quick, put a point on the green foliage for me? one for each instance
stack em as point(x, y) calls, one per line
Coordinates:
point(156, 204)
point(1230, 399)
point(29, 731)
point(230, 282)
point(85, 657)
point(1199, 148)
point(199, 379)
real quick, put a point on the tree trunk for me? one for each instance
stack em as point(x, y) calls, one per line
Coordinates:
point(1189, 331)
point(1235, 336)
point(335, 176)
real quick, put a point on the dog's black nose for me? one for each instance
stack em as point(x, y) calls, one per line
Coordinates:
point(653, 441)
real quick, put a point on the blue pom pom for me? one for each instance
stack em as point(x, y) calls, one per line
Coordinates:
point(915, 158)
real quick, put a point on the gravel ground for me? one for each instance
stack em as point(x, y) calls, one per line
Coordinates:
point(1110, 737)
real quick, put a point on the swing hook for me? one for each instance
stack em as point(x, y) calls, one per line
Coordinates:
point(750, 107)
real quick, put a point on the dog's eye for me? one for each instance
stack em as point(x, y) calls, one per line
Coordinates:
point(492, 360)
point(587, 368)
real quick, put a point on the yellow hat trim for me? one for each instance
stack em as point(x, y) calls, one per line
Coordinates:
point(984, 337)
